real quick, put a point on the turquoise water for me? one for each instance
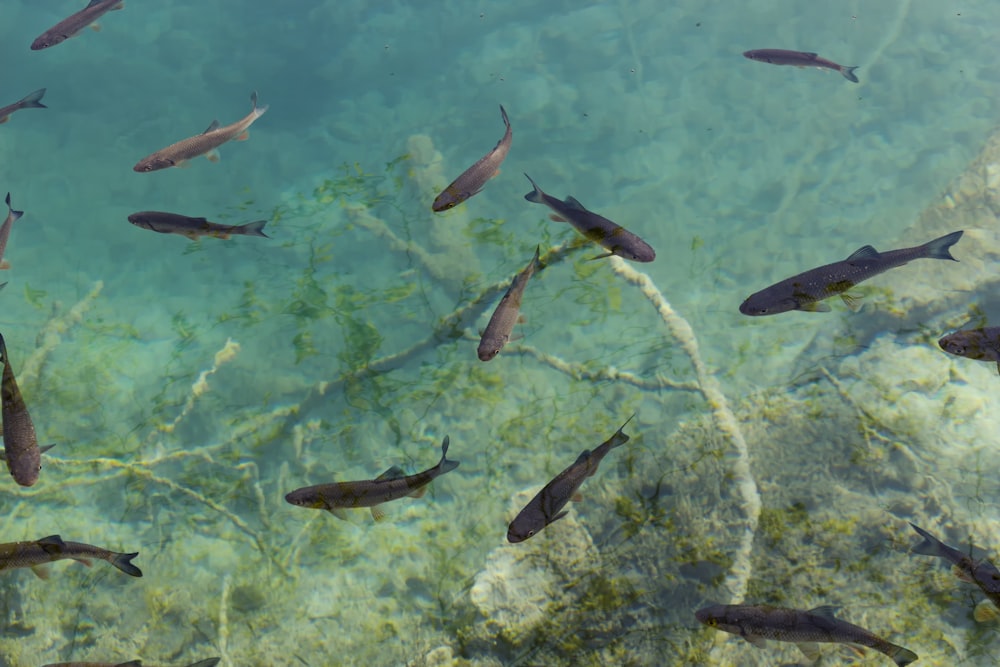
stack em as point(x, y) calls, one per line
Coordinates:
point(738, 173)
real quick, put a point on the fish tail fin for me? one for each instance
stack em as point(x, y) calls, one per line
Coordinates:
point(931, 546)
point(255, 228)
point(124, 563)
point(14, 214)
point(938, 248)
point(848, 73)
point(535, 196)
point(444, 464)
point(32, 100)
point(503, 114)
point(902, 656)
point(620, 437)
point(257, 111)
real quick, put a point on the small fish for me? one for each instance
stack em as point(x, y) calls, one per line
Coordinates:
point(20, 445)
point(980, 344)
point(547, 504)
point(12, 217)
point(610, 235)
point(207, 142)
point(475, 177)
point(980, 572)
point(806, 290)
point(172, 223)
point(53, 548)
point(799, 59)
point(758, 623)
point(29, 101)
point(209, 662)
point(70, 27)
point(390, 485)
point(497, 332)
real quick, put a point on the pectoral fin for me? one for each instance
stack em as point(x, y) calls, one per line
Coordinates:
point(377, 513)
point(814, 307)
point(853, 301)
point(809, 650)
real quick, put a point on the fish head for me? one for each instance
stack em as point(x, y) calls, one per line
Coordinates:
point(758, 304)
point(519, 532)
point(140, 220)
point(986, 576)
point(25, 469)
point(714, 616)
point(47, 40)
point(489, 348)
point(153, 163)
point(306, 497)
point(968, 344)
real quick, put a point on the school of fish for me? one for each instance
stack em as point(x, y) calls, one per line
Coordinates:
point(805, 291)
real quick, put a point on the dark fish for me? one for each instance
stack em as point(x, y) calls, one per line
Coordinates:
point(758, 623)
point(980, 344)
point(546, 506)
point(806, 290)
point(209, 662)
point(799, 59)
point(176, 154)
point(20, 445)
point(475, 177)
point(497, 332)
point(980, 572)
point(172, 223)
point(71, 26)
point(390, 485)
point(29, 101)
point(12, 217)
point(610, 235)
point(53, 548)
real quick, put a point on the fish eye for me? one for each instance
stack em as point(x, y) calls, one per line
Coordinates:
point(712, 622)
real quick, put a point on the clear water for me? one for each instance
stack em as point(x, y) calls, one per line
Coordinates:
point(738, 173)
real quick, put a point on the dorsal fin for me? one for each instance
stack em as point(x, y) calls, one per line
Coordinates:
point(395, 472)
point(825, 610)
point(214, 125)
point(52, 544)
point(865, 252)
point(572, 202)
point(584, 455)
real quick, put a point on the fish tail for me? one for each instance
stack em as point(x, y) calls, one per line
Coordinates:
point(254, 228)
point(620, 437)
point(257, 111)
point(938, 248)
point(931, 546)
point(14, 214)
point(124, 563)
point(848, 73)
point(535, 196)
point(444, 464)
point(902, 656)
point(31, 100)
point(503, 114)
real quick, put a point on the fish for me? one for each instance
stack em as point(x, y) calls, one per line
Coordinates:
point(497, 332)
point(391, 485)
point(800, 59)
point(192, 228)
point(981, 344)
point(29, 101)
point(20, 445)
point(807, 290)
point(758, 623)
point(12, 217)
point(208, 662)
point(71, 26)
point(207, 142)
point(474, 179)
point(609, 235)
point(52, 548)
point(980, 572)
point(546, 506)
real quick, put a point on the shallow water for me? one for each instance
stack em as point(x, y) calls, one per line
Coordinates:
point(327, 355)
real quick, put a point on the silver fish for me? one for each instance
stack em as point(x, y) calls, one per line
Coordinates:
point(980, 344)
point(192, 228)
point(20, 445)
point(12, 217)
point(53, 548)
point(546, 506)
point(29, 101)
point(497, 332)
point(208, 662)
point(475, 177)
point(176, 154)
point(390, 485)
point(807, 290)
point(980, 572)
point(72, 25)
point(610, 235)
point(799, 59)
point(758, 623)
